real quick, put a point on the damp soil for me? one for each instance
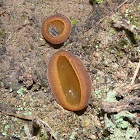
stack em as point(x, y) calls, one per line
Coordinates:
point(109, 52)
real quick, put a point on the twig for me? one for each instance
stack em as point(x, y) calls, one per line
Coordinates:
point(38, 122)
point(126, 89)
point(129, 104)
point(123, 24)
point(135, 74)
point(31, 118)
point(24, 25)
point(20, 116)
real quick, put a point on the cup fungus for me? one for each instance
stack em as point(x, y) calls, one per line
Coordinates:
point(56, 29)
point(69, 81)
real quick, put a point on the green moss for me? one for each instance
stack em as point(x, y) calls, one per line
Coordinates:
point(1, 32)
point(21, 91)
point(112, 31)
point(111, 96)
point(97, 1)
point(73, 136)
point(121, 128)
point(4, 133)
point(98, 93)
point(73, 21)
point(43, 135)
point(119, 118)
point(131, 133)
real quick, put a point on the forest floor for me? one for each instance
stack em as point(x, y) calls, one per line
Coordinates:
point(105, 36)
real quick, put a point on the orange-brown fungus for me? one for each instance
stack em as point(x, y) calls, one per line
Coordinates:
point(56, 29)
point(69, 81)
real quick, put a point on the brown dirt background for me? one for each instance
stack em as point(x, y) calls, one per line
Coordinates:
point(24, 56)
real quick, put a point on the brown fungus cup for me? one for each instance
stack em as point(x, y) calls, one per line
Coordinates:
point(56, 29)
point(69, 81)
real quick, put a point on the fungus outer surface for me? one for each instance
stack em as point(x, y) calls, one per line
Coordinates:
point(56, 28)
point(69, 81)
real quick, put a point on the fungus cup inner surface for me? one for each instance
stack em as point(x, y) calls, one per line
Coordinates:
point(55, 28)
point(69, 81)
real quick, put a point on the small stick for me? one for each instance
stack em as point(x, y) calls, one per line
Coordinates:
point(135, 74)
point(20, 116)
point(45, 125)
point(126, 89)
point(30, 118)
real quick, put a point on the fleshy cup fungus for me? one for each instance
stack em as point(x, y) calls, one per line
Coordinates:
point(69, 81)
point(56, 29)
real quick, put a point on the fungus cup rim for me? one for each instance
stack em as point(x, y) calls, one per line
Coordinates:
point(66, 31)
point(82, 75)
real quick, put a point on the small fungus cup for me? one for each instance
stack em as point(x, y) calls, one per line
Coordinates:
point(56, 29)
point(69, 81)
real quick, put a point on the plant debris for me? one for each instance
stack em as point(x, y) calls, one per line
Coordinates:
point(128, 100)
point(124, 24)
point(110, 52)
